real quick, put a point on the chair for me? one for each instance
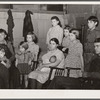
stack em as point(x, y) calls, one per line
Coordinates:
point(35, 63)
point(62, 72)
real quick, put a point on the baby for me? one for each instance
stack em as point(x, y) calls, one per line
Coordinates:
point(52, 59)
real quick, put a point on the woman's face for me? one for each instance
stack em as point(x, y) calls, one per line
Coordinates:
point(66, 32)
point(2, 36)
point(29, 38)
point(54, 22)
point(72, 36)
point(53, 45)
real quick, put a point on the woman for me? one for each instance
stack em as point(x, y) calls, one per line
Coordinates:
point(74, 58)
point(40, 76)
point(55, 31)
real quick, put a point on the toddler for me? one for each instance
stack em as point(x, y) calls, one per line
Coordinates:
point(23, 61)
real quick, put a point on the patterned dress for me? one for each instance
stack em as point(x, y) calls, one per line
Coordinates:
point(43, 74)
point(66, 41)
point(73, 59)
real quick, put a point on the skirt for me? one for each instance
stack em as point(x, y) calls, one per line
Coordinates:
point(24, 68)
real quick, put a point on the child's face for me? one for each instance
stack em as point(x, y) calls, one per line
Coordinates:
point(29, 38)
point(97, 47)
point(2, 54)
point(72, 37)
point(91, 24)
point(21, 49)
point(66, 32)
point(2, 36)
point(54, 22)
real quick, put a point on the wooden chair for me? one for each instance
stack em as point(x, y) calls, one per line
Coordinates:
point(35, 63)
point(59, 72)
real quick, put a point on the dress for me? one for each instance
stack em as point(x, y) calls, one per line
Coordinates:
point(73, 59)
point(55, 32)
point(42, 76)
point(23, 59)
point(66, 41)
point(34, 49)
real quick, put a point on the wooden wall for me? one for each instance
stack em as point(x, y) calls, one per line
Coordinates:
point(41, 23)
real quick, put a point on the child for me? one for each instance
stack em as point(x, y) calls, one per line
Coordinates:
point(92, 34)
point(66, 40)
point(52, 59)
point(33, 47)
point(4, 73)
point(55, 31)
point(23, 61)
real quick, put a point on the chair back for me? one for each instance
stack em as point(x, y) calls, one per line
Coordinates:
point(35, 63)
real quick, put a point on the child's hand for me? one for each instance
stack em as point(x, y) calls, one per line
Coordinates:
point(63, 49)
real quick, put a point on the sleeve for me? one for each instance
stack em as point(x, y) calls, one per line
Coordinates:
point(59, 55)
point(79, 50)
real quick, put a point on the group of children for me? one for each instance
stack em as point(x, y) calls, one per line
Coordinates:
point(28, 51)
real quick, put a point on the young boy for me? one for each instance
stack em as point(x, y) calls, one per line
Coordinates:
point(92, 34)
point(94, 70)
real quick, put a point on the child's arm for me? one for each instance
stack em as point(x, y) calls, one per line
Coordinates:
point(16, 62)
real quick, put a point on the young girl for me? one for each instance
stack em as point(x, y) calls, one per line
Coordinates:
point(33, 47)
point(66, 40)
point(23, 61)
point(74, 59)
point(55, 31)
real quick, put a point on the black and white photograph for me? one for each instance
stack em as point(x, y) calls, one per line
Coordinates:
point(50, 46)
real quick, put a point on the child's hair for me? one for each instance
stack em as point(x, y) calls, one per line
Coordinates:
point(52, 59)
point(76, 32)
point(67, 27)
point(3, 31)
point(97, 40)
point(34, 38)
point(55, 17)
point(94, 19)
point(24, 45)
